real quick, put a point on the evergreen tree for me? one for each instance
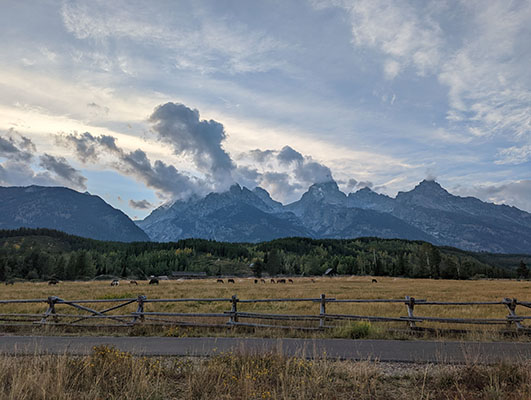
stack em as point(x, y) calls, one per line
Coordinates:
point(522, 271)
point(273, 264)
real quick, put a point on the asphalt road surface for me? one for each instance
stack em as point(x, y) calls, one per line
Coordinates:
point(381, 350)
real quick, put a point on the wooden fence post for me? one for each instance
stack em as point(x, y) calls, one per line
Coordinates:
point(51, 309)
point(322, 312)
point(234, 310)
point(410, 303)
point(511, 305)
point(140, 309)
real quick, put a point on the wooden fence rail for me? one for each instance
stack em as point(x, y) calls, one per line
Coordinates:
point(87, 316)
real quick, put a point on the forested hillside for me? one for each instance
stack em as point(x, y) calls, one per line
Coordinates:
point(43, 253)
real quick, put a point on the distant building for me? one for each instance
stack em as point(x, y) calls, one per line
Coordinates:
point(329, 272)
point(187, 275)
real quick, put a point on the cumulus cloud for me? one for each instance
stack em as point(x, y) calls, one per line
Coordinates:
point(63, 171)
point(16, 147)
point(141, 204)
point(280, 185)
point(18, 153)
point(181, 127)
point(164, 178)
point(286, 173)
point(86, 145)
point(288, 155)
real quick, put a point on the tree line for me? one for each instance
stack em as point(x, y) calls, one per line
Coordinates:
point(39, 254)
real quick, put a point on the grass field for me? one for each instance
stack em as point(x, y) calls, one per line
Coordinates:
point(111, 374)
point(339, 287)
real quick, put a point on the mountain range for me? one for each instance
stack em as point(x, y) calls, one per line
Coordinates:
point(65, 209)
point(428, 212)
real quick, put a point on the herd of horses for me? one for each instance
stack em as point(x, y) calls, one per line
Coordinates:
point(281, 280)
point(155, 281)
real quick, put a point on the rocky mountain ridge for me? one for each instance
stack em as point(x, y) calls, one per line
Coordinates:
point(427, 212)
point(66, 210)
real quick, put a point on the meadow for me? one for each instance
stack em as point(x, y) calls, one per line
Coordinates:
point(111, 374)
point(353, 287)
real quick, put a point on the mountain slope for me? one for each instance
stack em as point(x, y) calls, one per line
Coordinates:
point(66, 210)
point(237, 215)
point(427, 212)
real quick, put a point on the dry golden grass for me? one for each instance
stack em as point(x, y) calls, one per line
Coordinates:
point(111, 374)
point(340, 288)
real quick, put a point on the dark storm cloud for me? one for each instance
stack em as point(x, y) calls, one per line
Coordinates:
point(63, 170)
point(141, 204)
point(181, 127)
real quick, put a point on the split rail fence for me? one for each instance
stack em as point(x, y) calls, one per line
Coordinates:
point(91, 317)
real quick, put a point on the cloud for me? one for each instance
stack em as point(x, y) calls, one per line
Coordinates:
point(141, 204)
point(288, 155)
point(279, 185)
point(167, 181)
point(285, 173)
point(187, 36)
point(65, 173)
point(86, 145)
point(514, 155)
point(164, 178)
point(408, 37)
point(19, 154)
point(488, 77)
point(181, 127)
point(517, 193)
point(16, 147)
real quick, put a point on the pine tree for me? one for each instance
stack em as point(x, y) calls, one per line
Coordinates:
point(522, 272)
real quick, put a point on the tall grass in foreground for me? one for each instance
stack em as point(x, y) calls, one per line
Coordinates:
point(111, 374)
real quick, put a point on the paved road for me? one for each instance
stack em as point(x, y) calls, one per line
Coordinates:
point(382, 350)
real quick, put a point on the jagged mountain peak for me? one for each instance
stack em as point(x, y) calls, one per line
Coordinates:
point(429, 187)
point(266, 198)
point(326, 191)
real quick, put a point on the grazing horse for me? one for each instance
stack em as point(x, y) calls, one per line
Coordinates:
point(153, 281)
point(313, 280)
point(10, 283)
point(374, 280)
point(53, 282)
point(272, 281)
point(290, 280)
point(115, 282)
point(133, 283)
point(220, 281)
point(256, 281)
point(230, 280)
point(262, 280)
point(281, 281)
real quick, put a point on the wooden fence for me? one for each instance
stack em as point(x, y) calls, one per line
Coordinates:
point(90, 317)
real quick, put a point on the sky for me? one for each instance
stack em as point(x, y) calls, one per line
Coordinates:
point(145, 102)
